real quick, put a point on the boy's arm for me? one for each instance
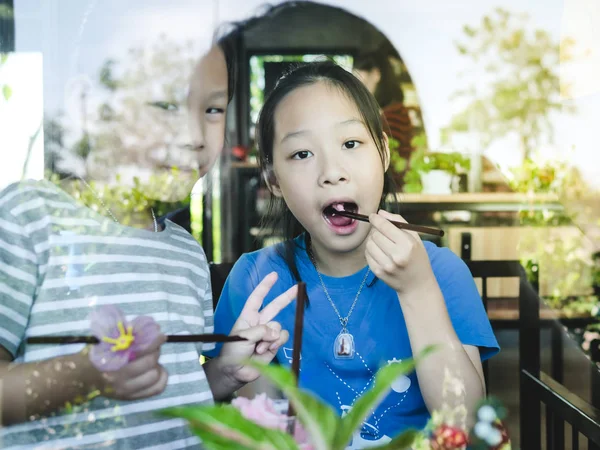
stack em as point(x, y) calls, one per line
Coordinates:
point(31, 391)
point(34, 390)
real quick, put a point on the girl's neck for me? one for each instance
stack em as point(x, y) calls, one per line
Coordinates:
point(335, 264)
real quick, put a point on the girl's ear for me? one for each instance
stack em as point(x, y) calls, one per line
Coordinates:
point(271, 181)
point(387, 156)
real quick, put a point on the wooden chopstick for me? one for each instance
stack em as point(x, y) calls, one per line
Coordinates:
point(297, 348)
point(170, 338)
point(401, 225)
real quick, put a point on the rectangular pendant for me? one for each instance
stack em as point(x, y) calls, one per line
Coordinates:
point(344, 346)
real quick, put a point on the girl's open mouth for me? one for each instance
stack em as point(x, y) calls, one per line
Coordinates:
point(339, 224)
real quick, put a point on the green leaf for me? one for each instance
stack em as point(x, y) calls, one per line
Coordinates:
point(6, 92)
point(401, 442)
point(220, 426)
point(319, 420)
point(371, 399)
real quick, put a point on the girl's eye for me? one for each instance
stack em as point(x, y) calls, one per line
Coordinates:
point(302, 154)
point(351, 144)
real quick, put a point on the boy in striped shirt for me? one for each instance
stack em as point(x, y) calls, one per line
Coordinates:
point(59, 260)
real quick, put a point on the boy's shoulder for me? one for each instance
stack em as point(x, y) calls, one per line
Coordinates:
point(32, 200)
point(30, 188)
point(23, 191)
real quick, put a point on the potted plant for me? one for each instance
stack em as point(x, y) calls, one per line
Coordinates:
point(256, 424)
point(429, 172)
point(315, 426)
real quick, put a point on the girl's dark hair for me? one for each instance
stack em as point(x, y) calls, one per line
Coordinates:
point(388, 89)
point(278, 217)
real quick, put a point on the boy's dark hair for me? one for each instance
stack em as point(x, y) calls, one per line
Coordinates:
point(278, 217)
point(388, 89)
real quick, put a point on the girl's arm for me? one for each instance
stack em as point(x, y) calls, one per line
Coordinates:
point(448, 314)
point(428, 323)
point(228, 372)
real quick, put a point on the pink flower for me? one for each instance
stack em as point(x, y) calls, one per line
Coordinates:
point(120, 340)
point(261, 410)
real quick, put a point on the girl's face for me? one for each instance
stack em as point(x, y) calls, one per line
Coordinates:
point(325, 159)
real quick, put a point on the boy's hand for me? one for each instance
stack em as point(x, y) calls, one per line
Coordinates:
point(264, 335)
point(144, 377)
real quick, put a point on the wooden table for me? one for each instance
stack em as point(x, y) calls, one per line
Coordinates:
point(477, 202)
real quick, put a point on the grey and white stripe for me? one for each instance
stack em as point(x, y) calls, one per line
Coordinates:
point(57, 262)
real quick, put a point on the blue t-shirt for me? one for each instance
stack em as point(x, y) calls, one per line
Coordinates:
point(377, 325)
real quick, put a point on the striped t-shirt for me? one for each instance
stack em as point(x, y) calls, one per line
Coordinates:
point(58, 260)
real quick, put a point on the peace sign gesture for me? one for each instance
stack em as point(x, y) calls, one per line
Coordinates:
point(264, 336)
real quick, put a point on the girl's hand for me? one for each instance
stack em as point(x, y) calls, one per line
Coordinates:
point(397, 257)
point(264, 335)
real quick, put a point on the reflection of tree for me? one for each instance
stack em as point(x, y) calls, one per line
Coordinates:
point(516, 96)
point(520, 88)
point(122, 129)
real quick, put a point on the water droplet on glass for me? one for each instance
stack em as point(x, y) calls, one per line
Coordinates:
point(44, 421)
point(57, 366)
point(71, 365)
point(36, 373)
point(47, 402)
point(91, 417)
point(32, 418)
point(28, 382)
point(106, 402)
point(28, 391)
point(51, 430)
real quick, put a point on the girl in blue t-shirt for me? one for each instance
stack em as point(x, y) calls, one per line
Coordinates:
point(377, 294)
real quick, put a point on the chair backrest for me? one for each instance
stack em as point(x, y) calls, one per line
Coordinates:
point(496, 269)
point(218, 275)
point(500, 269)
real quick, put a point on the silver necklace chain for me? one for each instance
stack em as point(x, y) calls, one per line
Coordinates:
point(110, 212)
point(343, 320)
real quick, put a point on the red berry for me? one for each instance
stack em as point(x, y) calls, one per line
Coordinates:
point(448, 438)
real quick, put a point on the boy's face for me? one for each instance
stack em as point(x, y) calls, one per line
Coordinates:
point(207, 108)
point(369, 78)
point(200, 130)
